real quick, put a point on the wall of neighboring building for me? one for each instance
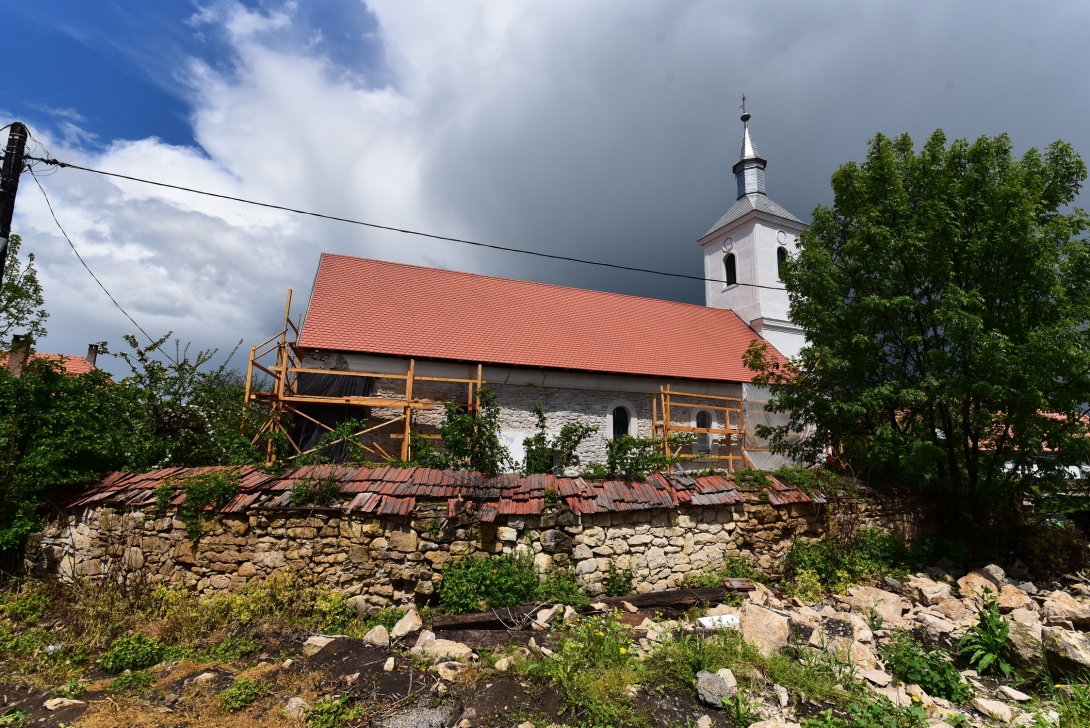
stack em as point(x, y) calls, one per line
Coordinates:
point(398, 560)
point(565, 397)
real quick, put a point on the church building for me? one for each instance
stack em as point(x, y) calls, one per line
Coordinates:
point(390, 343)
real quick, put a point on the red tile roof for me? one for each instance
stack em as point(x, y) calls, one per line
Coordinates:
point(72, 364)
point(394, 491)
point(370, 306)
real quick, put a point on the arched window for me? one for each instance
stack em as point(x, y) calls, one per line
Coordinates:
point(620, 421)
point(781, 258)
point(730, 269)
point(703, 439)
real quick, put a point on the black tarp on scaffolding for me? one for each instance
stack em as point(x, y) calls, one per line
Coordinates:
point(306, 433)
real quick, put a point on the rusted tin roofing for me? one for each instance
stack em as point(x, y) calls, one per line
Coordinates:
point(387, 490)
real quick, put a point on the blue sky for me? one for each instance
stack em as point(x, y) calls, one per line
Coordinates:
point(601, 129)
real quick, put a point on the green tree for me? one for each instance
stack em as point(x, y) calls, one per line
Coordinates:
point(945, 297)
point(185, 413)
point(471, 439)
point(21, 300)
point(57, 431)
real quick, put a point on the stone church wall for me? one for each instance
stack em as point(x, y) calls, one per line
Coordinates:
point(397, 560)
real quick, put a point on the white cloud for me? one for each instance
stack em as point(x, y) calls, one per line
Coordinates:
point(598, 129)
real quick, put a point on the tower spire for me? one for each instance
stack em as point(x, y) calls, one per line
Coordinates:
point(749, 171)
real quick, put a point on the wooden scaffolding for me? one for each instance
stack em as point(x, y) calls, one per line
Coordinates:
point(732, 430)
point(279, 358)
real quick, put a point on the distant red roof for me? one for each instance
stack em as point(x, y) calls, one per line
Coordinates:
point(374, 307)
point(72, 364)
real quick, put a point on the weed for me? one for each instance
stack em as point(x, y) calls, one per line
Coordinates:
point(472, 583)
point(592, 667)
point(931, 670)
point(243, 692)
point(741, 710)
point(874, 620)
point(387, 617)
point(29, 605)
point(553, 455)
point(133, 653)
point(13, 716)
point(1073, 705)
point(870, 714)
point(231, 649)
point(71, 690)
point(321, 492)
point(618, 581)
point(734, 566)
point(985, 644)
point(133, 681)
point(332, 712)
point(809, 481)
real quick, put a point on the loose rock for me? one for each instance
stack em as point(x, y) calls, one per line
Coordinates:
point(767, 630)
point(377, 636)
point(449, 670)
point(296, 709)
point(1067, 651)
point(1025, 646)
point(56, 703)
point(712, 689)
point(314, 645)
point(1011, 694)
point(406, 625)
point(993, 709)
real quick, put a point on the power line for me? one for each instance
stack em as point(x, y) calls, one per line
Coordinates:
point(271, 206)
point(81, 260)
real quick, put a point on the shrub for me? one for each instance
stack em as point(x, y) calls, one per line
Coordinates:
point(29, 605)
point(133, 653)
point(841, 562)
point(560, 586)
point(134, 681)
point(243, 692)
point(805, 586)
point(985, 644)
point(476, 583)
point(931, 670)
point(553, 455)
point(232, 648)
point(618, 581)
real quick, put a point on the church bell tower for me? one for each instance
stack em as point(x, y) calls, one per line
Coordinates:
point(744, 250)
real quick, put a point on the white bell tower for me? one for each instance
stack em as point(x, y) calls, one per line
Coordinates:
point(743, 252)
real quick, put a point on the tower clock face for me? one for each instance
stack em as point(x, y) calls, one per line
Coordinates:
point(781, 237)
point(728, 244)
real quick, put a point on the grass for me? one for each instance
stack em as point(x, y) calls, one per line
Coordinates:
point(242, 693)
point(53, 633)
point(931, 668)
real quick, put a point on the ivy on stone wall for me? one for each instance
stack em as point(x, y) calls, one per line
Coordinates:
point(212, 488)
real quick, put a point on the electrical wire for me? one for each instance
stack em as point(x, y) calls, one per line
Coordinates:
point(81, 260)
point(57, 163)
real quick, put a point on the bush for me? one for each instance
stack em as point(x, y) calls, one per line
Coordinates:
point(134, 681)
point(839, 563)
point(133, 653)
point(618, 581)
point(805, 586)
point(243, 692)
point(931, 670)
point(475, 583)
point(320, 492)
point(560, 586)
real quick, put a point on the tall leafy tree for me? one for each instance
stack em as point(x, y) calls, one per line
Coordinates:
point(945, 297)
point(21, 301)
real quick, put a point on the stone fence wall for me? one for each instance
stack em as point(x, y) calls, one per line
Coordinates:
point(393, 560)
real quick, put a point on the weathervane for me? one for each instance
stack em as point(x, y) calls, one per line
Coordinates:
point(745, 114)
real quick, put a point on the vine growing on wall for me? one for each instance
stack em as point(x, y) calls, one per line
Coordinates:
point(471, 439)
point(214, 488)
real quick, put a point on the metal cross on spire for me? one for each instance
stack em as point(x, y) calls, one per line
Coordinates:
point(743, 107)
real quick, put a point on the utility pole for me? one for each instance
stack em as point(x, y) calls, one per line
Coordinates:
point(9, 185)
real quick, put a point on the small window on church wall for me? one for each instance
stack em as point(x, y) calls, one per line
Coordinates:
point(730, 270)
point(781, 258)
point(703, 439)
point(620, 422)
